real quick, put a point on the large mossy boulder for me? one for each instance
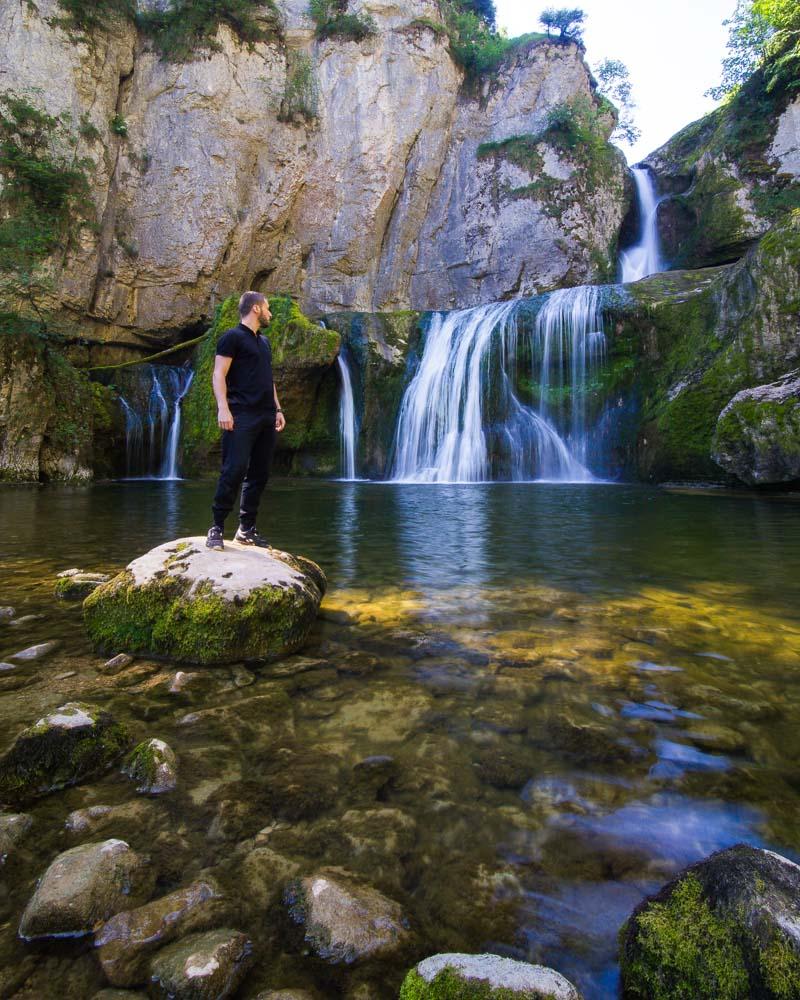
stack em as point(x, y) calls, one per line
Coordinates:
point(758, 433)
point(484, 977)
point(72, 744)
point(85, 885)
point(185, 602)
point(727, 928)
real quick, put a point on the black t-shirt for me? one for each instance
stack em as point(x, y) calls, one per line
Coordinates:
point(249, 379)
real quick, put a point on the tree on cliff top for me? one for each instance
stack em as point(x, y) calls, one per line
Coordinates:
point(763, 34)
point(614, 83)
point(567, 20)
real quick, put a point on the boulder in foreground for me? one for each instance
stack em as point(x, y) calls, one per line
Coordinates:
point(206, 966)
point(73, 743)
point(488, 977)
point(183, 601)
point(727, 928)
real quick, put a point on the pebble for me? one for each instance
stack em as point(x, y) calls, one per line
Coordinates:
point(36, 652)
point(26, 619)
point(116, 663)
point(6, 612)
point(7, 666)
point(65, 675)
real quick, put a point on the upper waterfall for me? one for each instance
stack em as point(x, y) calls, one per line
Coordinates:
point(644, 257)
point(462, 419)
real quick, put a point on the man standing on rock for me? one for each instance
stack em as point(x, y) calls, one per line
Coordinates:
point(249, 415)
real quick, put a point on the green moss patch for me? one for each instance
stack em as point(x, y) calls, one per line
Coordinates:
point(449, 985)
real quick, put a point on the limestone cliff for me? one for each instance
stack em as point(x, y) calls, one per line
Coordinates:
point(347, 172)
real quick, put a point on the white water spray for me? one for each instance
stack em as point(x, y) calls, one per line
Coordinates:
point(348, 426)
point(644, 257)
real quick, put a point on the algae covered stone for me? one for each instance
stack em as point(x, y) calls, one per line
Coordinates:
point(185, 602)
point(727, 928)
point(153, 766)
point(484, 977)
point(73, 743)
point(85, 885)
point(206, 966)
point(74, 584)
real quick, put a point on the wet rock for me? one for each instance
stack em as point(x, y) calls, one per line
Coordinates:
point(357, 663)
point(5, 667)
point(373, 775)
point(298, 783)
point(154, 767)
point(207, 966)
point(284, 995)
point(6, 612)
point(125, 942)
point(26, 620)
point(127, 820)
point(113, 994)
point(728, 926)
point(183, 681)
point(13, 828)
point(37, 652)
point(115, 664)
point(74, 584)
point(265, 873)
point(504, 766)
point(583, 743)
point(488, 976)
point(75, 742)
point(187, 603)
point(85, 885)
point(344, 920)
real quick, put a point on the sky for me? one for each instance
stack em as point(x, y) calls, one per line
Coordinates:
point(673, 49)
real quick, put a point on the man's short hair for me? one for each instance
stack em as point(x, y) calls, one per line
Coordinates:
point(248, 300)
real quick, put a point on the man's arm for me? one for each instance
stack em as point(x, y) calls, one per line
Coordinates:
point(218, 381)
point(280, 420)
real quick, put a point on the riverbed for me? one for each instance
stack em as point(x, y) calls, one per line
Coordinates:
point(574, 691)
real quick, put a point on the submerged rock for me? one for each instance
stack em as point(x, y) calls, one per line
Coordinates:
point(37, 652)
point(74, 743)
point(284, 995)
point(206, 966)
point(6, 613)
point(85, 885)
point(344, 920)
point(75, 583)
point(188, 603)
point(153, 766)
point(116, 663)
point(13, 827)
point(489, 977)
point(727, 927)
point(127, 940)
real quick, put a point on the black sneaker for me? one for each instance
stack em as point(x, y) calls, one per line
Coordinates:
point(249, 536)
point(214, 538)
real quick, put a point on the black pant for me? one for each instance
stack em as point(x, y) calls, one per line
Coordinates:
point(246, 460)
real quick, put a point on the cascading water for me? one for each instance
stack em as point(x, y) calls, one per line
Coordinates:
point(644, 257)
point(152, 404)
point(348, 425)
point(461, 419)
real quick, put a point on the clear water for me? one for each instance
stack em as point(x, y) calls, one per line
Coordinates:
point(583, 688)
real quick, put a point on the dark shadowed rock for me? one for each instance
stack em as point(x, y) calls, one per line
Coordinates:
point(725, 928)
point(207, 966)
point(13, 828)
point(85, 885)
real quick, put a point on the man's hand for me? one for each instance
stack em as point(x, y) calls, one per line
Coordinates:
point(280, 422)
point(225, 419)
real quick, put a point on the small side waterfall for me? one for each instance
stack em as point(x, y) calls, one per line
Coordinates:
point(644, 257)
point(151, 401)
point(462, 419)
point(348, 425)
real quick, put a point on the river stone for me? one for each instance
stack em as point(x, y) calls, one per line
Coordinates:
point(344, 920)
point(13, 827)
point(126, 941)
point(757, 437)
point(188, 603)
point(115, 664)
point(206, 966)
point(283, 995)
point(85, 885)
point(35, 652)
point(491, 977)
point(75, 583)
point(726, 926)
point(153, 766)
point(6, 612)
point(73, 743)
point(114, 994)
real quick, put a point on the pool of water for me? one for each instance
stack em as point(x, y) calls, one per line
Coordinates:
point(581, 689)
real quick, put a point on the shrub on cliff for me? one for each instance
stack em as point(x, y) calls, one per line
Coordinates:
point(333, 20)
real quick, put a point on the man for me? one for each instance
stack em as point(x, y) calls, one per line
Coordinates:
point(249, 415)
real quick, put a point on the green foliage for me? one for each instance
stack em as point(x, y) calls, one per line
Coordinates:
point(681, 948)
point(762, 35)
point(45, 196)
point(119, 126)
point(568, 21)
point(615, 85)
point(187, 27)
point(333, 21)
point(577, 128)
point(473, 43)
point(748, 35)
point(300, 97)
point(87, 17)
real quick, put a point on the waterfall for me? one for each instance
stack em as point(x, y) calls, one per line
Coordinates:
point(348, 427)
point(644, 257)
point(151, 402)
point(461, 419)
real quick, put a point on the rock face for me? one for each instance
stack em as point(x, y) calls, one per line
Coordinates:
point(72, 744)
point(758, 433)
point(208, 204)
point(153, 766)
point(84, 885)
point(345, 921)
point(185, 602)
point(206, 966)
point(727, 927)
point(127, 940)
point(487, 976)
